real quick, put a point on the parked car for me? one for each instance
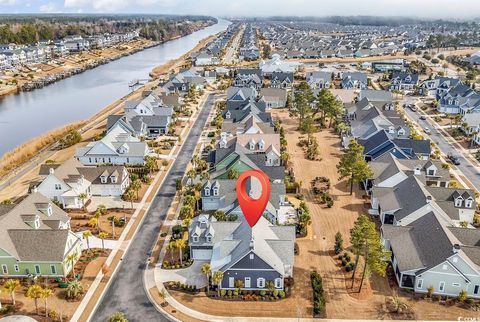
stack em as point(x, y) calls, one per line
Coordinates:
point(412, 107)
point(454, 159)
point(423, 117)
point(427, 130)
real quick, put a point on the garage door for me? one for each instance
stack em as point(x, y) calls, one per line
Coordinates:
point(202, 254)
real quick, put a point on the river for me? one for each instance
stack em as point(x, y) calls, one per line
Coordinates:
point(26, 115)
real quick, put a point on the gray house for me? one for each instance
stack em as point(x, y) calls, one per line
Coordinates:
point(253, 256)
point(356, 80)
point(430, 253)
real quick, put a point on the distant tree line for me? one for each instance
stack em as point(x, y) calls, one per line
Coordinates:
point(28, 29)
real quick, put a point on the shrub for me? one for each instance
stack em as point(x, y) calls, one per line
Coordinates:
point(235, 292)
point(462, 296)
point(229, 293)
point(263, 293)
point(346, 256)
point(349, 267)
point(430, 291)
point(338, 243)
point(281, 294)
point(275, 293)
point(223, 292)
point(318, 297)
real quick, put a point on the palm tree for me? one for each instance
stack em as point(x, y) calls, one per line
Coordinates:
point(398, 303)
point(10, 286)
point(74, 288)
point(136, 185)
point(170, 247)
point(206, 269)
point(113, 219)
point(102, 236)
point(195, 160)
point(101, 209)
point(71, 258)
point(86, 235)
point(93, 222)
point(130, 196)
point(180, 244)
point(191, 174)
point(117, 317)
point(45, 294)
point(35, 292)
point(217, 279)
point(83, 197)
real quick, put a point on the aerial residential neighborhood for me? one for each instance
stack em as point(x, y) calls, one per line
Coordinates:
point(264, 161)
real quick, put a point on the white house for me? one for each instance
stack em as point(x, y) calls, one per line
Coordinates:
point(117, 147)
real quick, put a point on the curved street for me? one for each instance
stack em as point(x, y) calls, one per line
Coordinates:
point(126, 292)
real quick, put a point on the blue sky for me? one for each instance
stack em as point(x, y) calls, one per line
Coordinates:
point(416, 8)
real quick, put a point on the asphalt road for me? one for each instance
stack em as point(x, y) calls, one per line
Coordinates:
point(465, 167)
point(126, 292)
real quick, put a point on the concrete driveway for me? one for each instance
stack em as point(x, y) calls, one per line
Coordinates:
point(109, 202)
point(191, 275)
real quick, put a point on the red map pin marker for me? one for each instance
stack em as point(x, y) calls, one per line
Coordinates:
point(253, 208)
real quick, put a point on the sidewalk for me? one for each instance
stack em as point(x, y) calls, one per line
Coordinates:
point(123, 243)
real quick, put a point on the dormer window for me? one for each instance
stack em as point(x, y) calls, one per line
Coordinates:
point(114, 179)
point(195, 239)
point(469, 202)
point(458, 201)
point(209, 239)
point(103, 179)
point(391, 130)
point(228, 115)
point(207, 191)
point(251, 145)
point(261, 145)
point(431, 171)
point(49, 210)
point(215, 191)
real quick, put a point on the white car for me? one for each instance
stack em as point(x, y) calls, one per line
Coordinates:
point(427, 130)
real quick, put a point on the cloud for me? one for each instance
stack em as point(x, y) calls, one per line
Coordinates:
point(7, 2)
point(48, 8)
point(120, 5)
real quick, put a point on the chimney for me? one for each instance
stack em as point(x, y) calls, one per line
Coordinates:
point(456, 248)
point(51, 170)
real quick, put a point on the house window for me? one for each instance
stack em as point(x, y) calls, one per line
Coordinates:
point(458, 202)
point(431, 172)
point(37, 269)
point(231, 282)
point(444, 267)
point(103, 179)
point(252, 256)
point(114, 179)
point(476, 289)
point(260, 282)
point(247, 282)
point(278, 283)
point(53, 269)
point(215, 191)
point(456, 284)
point(195, 239)
point(441, 287)
point(455, 259)
point(468, 203)
point(209, 239)
point(207, 192)
point(4, 269)
point(58, 186)
point(420, 283)
point(16, 268)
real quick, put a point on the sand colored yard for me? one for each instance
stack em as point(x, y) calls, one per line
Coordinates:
point(316, 251)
